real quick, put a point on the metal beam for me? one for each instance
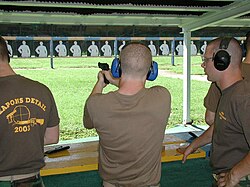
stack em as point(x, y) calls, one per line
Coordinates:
point(69, 19)
point(233, 10)
point(233, 23)
point(101, 19)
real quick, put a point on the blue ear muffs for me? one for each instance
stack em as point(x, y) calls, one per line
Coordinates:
point(116, 70)
point(153, 72)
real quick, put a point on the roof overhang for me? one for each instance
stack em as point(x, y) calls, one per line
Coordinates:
point(234, 14)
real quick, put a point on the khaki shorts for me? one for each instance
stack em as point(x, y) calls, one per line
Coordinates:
point(106, 184)
point(21, 181)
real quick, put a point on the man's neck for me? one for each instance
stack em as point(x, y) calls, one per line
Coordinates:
point(227, 81)
point(6, 70)
point(130, 87)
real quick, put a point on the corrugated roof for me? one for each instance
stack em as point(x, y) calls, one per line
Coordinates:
point(137, 2)
point(179, 13)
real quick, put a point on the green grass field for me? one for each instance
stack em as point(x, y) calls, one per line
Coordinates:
point(72, 80)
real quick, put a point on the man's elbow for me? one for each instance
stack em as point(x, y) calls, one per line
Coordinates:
point(209, 117)
point(51, 140)
point(87, 126)
point(208, 122)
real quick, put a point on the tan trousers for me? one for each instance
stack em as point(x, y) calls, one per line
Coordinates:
point(18, 177)
point(33, 181)
point(106, 184)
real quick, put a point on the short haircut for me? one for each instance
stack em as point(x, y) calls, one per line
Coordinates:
point(136, 59)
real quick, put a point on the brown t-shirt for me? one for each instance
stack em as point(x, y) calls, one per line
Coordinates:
point(27, 108)
point(212, 98)
point(231, 136)
point(131, 130)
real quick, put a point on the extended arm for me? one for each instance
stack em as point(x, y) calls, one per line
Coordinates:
point(204, 139)
point(98, 88)
point(111, 79)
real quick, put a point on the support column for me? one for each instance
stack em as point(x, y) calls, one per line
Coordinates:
point(186, 75)
point(172, 51)
point(51, 49)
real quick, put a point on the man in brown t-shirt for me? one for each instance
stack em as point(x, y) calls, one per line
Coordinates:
point(28, 121)
point(230, 133)
point(212, 98)
point(130, 122)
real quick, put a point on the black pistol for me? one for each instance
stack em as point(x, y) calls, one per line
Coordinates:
point(104, 66)
point(56, 149)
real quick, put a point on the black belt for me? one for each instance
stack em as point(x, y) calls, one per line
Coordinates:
point(29, 179)
point(19, 182)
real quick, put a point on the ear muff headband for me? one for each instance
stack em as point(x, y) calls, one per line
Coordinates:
point(116, 66)
point(8, 56)
point(221, 57)
point(116, 70)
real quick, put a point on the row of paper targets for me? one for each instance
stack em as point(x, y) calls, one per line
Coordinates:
point(22, 48)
